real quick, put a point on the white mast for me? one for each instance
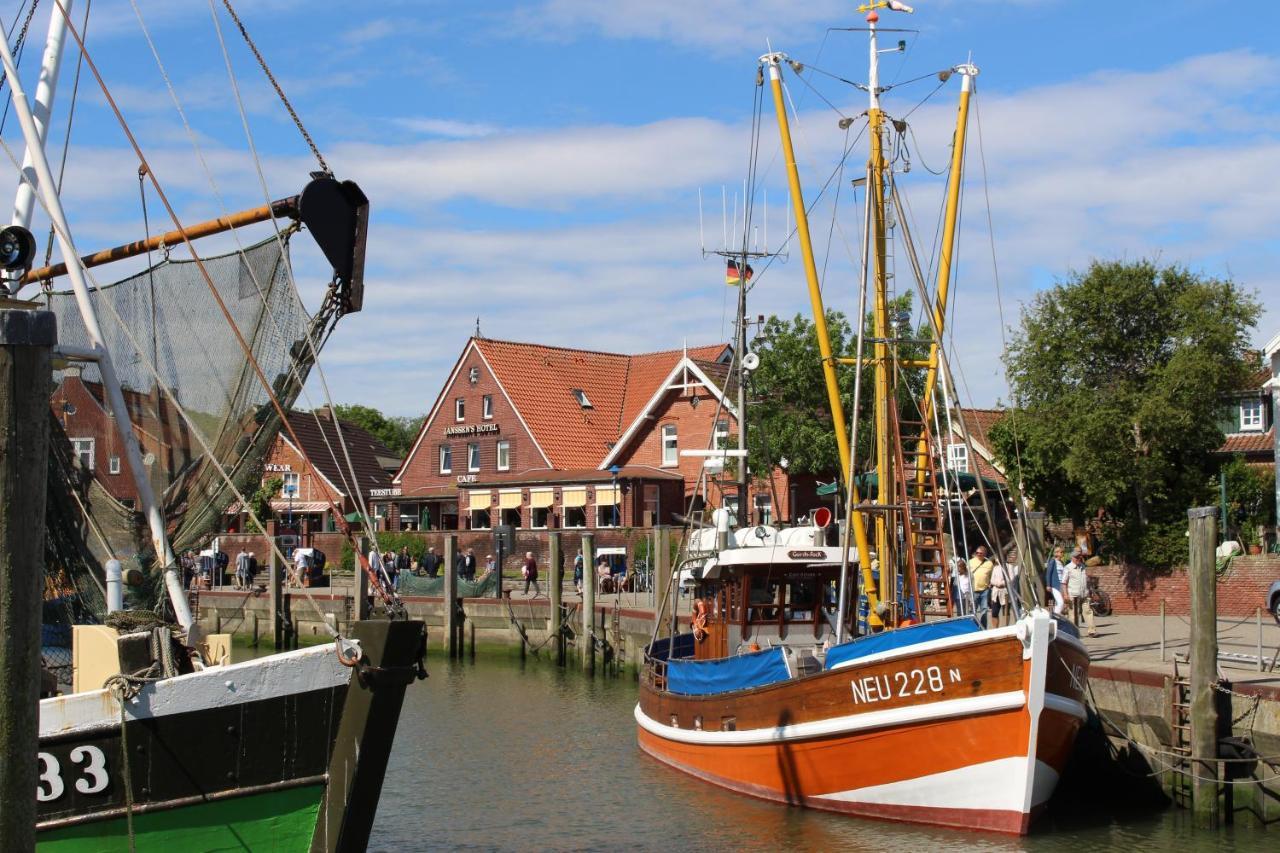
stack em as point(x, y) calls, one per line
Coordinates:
point(115, 398)
point(42, 110)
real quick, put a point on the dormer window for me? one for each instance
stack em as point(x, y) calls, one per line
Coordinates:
point(581, 397)
point(1251, 417)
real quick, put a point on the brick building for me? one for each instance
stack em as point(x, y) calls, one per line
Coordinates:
point(315, 477)
point(543, 437)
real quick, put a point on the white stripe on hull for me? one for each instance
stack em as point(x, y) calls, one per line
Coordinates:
point(284, 674)
point(991, 786)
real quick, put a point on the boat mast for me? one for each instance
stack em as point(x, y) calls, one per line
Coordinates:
point(42, 110)
point(968, 71)
point(98, 351)
point(773, 61)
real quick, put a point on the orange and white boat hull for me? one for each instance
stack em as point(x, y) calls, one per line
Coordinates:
point(968, 757)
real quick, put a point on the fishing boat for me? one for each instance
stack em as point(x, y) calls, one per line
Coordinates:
point(150, 738)
point(912, 712)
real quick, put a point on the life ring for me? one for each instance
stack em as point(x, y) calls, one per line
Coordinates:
point(699, 620)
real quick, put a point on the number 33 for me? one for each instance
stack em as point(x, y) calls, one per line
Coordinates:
point(93, 781)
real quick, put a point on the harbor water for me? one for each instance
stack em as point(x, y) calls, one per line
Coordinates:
point(504, 755)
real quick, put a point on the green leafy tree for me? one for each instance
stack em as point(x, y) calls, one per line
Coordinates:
point(397, 433)
point(791, 417)
point(1250, 499)
point(1117, 373)
point(260, 501)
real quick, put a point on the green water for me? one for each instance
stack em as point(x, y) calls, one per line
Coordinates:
point(499, 756)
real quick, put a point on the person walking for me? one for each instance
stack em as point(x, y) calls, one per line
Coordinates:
point(530, 571)
point(1053, 579)
point(1077, 589)
point(980, 569)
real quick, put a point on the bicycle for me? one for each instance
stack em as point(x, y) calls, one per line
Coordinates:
point(1099, 599)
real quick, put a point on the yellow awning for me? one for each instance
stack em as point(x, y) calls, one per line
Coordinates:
point(541, 498)
point(509, 500)
point(576, 496)
point(479, 500)
point(606, 495)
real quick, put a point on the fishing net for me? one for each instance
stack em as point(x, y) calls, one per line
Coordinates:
point(484, 587)
point(167, 316)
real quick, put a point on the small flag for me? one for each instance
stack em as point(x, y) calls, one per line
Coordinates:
point(733, 276)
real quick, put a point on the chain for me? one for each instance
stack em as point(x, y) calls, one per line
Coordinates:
point(279, 91)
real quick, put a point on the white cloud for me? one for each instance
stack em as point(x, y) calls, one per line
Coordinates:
point(447, 127)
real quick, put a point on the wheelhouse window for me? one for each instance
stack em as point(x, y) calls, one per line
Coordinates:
point(504, 455)
point(1251, 416)
point(446, 459)
point(958, 457)
point(459, 409)
point(473, 456)
point(670, 445)
point(83, 448)
point(486, 407)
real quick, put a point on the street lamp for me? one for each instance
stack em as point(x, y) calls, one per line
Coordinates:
point(617, 498)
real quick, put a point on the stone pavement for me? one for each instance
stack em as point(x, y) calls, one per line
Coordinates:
point(1133, 642)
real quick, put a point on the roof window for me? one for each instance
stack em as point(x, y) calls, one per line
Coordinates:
point(581, 397)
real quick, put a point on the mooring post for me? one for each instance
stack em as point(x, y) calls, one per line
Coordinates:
point(1033, 561)
point(274, 600)
point(555, 589)
point(26, 341)
point(589, 581)
point(255, 630)
point(471, 625)
point(661, 563)
point(1204, 665)
point(450, 604)
point(362, 583)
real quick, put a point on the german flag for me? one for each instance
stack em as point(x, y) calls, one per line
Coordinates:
point(733, 276)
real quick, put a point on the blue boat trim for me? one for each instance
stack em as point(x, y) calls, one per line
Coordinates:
point(902, 637)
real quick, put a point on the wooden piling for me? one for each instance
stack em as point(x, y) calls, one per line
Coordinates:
point(555, 589)
point(362, 583)
point(471, 625)
point(274, 584)
point(589, 581)
point(255, 630)
point(1204, 666)
point(451, 641)
point(26, 340)
point(661, 562)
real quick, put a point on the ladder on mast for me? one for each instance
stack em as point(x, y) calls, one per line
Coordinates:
point(928, 572)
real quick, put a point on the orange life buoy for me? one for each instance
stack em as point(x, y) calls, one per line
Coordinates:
point(699, 621)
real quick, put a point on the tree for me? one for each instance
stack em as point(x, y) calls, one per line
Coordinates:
point(1250, 499)
point(397, 433)
point(791, 418)
point(1117, 374)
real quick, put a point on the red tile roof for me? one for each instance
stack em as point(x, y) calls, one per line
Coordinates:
point(1249, 442)
point(541, 379)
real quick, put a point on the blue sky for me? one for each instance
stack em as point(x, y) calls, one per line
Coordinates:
point(538, 164)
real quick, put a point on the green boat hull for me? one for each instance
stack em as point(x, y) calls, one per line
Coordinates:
point(271, 821)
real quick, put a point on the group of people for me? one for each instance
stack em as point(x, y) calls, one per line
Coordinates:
point(986, 588)
point(395, 564)
point(603, 570)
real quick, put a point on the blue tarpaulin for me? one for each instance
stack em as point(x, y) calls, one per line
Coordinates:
point(703, 677)
point(900, 638)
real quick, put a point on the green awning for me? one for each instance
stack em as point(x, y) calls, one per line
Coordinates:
point(356, 518)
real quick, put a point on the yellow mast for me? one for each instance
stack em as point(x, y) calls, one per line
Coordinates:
point(967, 72)
point(773, 60)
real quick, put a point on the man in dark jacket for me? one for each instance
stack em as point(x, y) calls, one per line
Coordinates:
point(430, 563)
point(467, 565)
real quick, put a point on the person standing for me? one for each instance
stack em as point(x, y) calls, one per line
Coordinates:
point(403, 562)
point(1077, 587)
point(577, 573)
point(1053, 579)
point(431, 563)
point(530, 571)
point(961, 592)
point(980, 569)
point(242, 570)
point(999, 595)
point(467, 566)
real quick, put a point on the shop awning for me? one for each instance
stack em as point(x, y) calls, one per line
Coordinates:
point(509, 499)
point(479, 500)
point(541, 498)
point(606, 495)
point(574, 497)
point(299, 506)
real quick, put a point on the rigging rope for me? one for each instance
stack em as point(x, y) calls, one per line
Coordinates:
point(276, 85)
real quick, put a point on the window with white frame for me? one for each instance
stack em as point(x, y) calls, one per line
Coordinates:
point(113, 465)
point(446, 459)
point(958, 457)
point(289, 488)
point(473, 456)
point(764, 509)
point(480, 519)
point(459, 409)
point(1251, 417)
point(504, 455)
point(83, 448)
point(722, 433)
point(670, 445)
point(487, 406)
point(581, 397)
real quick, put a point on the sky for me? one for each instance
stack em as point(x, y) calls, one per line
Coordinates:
point(559, 169)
